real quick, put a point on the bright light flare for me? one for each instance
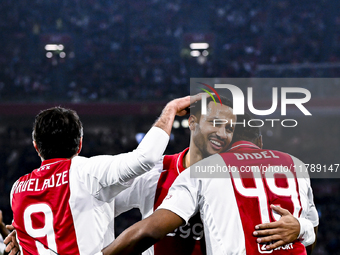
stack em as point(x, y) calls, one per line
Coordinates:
point(54, 47)
point(199, 46)
point(195, 53)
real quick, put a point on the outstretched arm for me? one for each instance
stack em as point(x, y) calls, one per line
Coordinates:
point(105, 176)
point(145, 233)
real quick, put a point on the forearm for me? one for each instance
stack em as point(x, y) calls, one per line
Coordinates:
point(3, 230)
point(145, 233)
point(285, 230)
point(148, 152)
point(165, 121)
point(134, 240)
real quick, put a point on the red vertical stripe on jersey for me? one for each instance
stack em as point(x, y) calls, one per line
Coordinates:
point(49, 186)
point(183, 241)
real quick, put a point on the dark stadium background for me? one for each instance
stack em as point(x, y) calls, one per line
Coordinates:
point(121, 61)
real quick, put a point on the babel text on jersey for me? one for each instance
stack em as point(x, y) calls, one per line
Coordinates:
point(36, 184)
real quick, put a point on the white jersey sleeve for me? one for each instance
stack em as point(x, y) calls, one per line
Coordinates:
point(141, 194)
point(106, 176)
point(184, 194)
point(312, 214)
point(310, 218)
point(307, 225)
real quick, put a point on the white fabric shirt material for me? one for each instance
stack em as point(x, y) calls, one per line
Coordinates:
point(140, 195)
point(215, 199)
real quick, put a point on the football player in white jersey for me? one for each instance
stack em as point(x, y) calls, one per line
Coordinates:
point(148, 191)
point(230, 211)
point(66, 206)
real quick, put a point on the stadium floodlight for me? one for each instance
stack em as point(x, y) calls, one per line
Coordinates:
point(54, 47)
point(49, 54)
point(201, 60)
point(176, 124)
point(195, 53)
point(51, 47)
point(62, 54)
point(185, 123)
point(199, 46)
point(205, 53)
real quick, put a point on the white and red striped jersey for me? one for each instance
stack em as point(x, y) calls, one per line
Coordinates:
point(67, 205)
point(230, 207)
point(147, 193)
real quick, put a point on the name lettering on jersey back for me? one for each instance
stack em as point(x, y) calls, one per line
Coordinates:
point(256, 155)
point(36, 184)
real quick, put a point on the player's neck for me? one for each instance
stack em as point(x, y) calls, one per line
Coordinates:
point(42, 159)
point(186, 159)
point(192, 157)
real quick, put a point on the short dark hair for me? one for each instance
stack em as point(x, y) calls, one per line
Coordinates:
point(57, 132)
point(195, 108)
point(245, 133)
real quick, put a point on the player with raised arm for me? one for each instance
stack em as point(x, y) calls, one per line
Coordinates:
point(52, 204)
point(230, 207)
point(148, 191)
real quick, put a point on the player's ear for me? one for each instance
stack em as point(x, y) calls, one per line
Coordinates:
point(80, 145)
point(192, 121)
point(36, 147)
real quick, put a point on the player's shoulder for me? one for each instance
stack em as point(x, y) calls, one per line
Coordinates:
point(21, 179)
point(276, 152)
point(288, 156)
point(26, 176)
point(295, 159)
point(80, 161)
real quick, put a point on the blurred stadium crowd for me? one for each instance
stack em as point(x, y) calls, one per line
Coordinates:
point(137, 47)
point(135, 50)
